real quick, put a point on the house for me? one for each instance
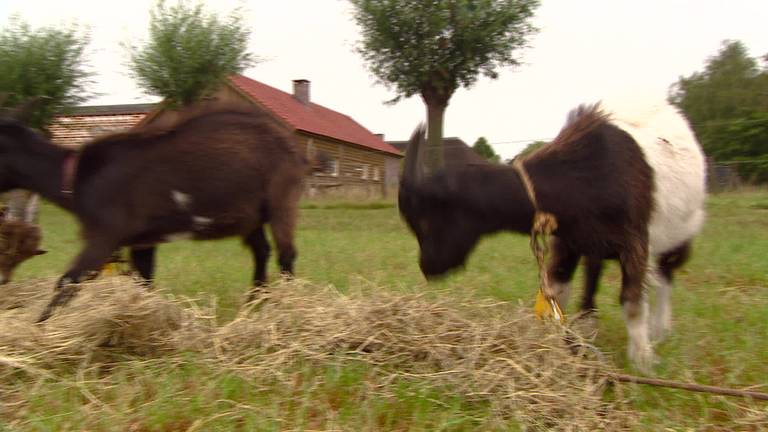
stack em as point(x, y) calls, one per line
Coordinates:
point(84, 123)
point(456, 153)
point(361, 164)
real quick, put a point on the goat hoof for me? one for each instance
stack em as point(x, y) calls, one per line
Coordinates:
point(642, 358)
point(45, 315)
point(63, 296)
point(143, 283)
point(257, 294)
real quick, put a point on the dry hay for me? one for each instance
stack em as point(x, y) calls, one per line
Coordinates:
point(493, 353)
point(110, 318)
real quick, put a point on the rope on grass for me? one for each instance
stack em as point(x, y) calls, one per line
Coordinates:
point(689, 386)
point(572, 339)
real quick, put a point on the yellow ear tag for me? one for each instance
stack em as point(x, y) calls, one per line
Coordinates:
point(547, 308)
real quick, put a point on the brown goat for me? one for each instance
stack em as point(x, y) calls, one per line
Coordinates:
point(217, 174)
point(19, 241)
point(20, 237)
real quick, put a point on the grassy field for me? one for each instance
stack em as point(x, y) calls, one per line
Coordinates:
point(720, 335)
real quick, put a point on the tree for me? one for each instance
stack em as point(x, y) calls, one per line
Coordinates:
point(485, 150)
point(190, 52)
point(727, 88)
point(530, 148)
point(432, 48)
point(726, 105)
point(47, 63)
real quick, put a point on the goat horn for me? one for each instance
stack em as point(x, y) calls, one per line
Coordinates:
point(412, 168)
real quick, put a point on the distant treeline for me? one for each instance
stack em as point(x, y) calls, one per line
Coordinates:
point(727, 106)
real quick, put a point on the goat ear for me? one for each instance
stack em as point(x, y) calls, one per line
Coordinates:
point(41, 252)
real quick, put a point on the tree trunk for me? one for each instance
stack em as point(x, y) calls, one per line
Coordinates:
point(434, 159)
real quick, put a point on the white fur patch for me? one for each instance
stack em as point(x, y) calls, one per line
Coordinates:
point(661, 319)
point(201, 222)
point(679, 169)
point(639, 349)
point(181, 199)
point(179, 236)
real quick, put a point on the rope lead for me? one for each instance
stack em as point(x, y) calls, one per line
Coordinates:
point(544, 224)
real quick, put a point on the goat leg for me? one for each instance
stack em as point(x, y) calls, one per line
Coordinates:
point(593, 267)
point(65, 292)
point(143, 262)
point(86, 266)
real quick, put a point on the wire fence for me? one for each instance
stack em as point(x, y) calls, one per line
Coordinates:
point(724, 176)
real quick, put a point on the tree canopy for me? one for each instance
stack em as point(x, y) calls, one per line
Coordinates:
point(485, 150)
point(727, 106)
point(432, 48)
point(45, 62)
point(532, 147)
point(190, 52)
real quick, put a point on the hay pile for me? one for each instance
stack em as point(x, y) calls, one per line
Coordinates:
point(492, 353)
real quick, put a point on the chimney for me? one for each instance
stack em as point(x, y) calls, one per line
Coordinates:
point(380, 136)
point(301, 90)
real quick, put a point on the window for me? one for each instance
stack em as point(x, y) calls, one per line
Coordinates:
point(376, 174)
point(333, 167)
point(365, 174)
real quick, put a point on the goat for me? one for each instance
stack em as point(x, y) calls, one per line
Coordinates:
point(20, 236)
point(631, 190)
point(214, 175)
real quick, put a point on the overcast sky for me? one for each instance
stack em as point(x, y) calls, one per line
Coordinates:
point(586, 50)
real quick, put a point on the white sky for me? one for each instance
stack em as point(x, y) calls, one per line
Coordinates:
point(586, 50)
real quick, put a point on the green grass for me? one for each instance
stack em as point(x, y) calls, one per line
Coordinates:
point(720, 335)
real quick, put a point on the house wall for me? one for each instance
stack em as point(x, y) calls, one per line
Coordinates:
point(351, 172)
point(393, 167)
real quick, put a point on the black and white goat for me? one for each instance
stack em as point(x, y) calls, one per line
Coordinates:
point(626, 188)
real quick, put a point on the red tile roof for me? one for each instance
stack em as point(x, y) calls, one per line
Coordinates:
point(311, 117)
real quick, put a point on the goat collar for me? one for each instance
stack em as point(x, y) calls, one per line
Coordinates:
point(68, 172)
